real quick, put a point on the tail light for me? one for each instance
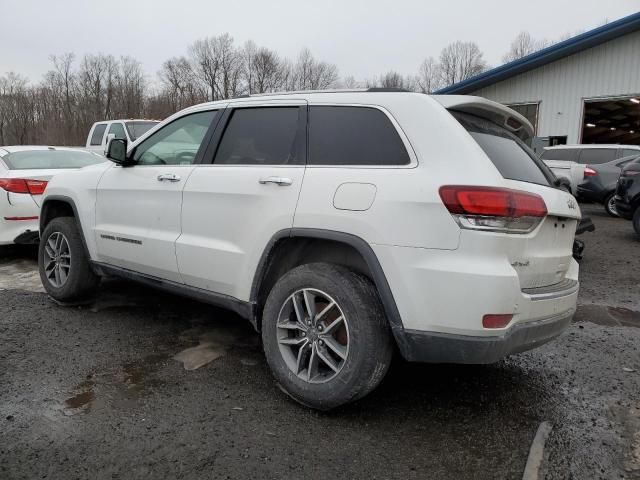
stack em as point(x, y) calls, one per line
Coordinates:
point(493, 209)
point(630, 173)
point(22, 185)
point(589, 172)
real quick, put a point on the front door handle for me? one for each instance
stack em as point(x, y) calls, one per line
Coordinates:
point(282, 181)
point(168, 177)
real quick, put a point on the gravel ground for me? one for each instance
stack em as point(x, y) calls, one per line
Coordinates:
point(95, 392)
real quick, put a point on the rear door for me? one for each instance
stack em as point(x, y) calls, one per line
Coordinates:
point(245, 192)
point(138, 207)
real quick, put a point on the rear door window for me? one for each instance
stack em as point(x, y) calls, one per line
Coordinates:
point(595, 156)
point(568, 154)
point(345, 135)
point(261, 136)
point(98, 133)
point(118, 130)
point(513, 159)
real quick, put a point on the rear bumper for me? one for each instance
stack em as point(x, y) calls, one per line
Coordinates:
point(449, 348)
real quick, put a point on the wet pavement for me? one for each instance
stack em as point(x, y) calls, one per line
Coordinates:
point(142, 384)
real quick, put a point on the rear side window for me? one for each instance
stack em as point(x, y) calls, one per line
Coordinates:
point(353, 136)
point(261, 136)
point(118, 130)
point(98, 133)
point(595, 156)
point(513, 159)
point(559, 154)
point(629, 151)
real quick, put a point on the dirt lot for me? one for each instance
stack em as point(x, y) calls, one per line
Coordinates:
point(140, 384)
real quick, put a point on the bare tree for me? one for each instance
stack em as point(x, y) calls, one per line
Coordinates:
point(218, 64)
point(310, 74)
point(264, 71)
point(523, 45)
point(428, 78)
point(459, 61)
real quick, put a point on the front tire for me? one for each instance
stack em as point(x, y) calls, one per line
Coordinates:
point(610, 205)
point(64, 267)
point(325, 335)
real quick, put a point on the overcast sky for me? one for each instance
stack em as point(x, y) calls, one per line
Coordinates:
point(363, 38)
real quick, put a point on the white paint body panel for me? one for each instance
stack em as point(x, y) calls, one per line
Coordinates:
point(218, 221)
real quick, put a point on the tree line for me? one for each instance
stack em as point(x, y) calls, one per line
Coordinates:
point(76, 92)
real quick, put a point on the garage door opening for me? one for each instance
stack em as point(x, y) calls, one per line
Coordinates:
point(612, 121)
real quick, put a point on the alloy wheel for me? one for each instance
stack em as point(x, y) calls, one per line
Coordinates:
point(57, 259)
point(313, 335)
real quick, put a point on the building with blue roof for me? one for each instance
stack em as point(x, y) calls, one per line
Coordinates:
point(585, 89)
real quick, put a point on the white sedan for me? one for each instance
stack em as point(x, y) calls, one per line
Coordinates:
point(24, 173)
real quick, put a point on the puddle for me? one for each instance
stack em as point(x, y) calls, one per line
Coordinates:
point(608, 316)
point(121, 387)
point(215, 343)
point(626, 317)
point(20, 275)
point(82, 400)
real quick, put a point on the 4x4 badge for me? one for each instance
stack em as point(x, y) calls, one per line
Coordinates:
point(572, 204)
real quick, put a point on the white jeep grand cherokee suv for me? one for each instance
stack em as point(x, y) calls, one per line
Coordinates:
point(341, 224)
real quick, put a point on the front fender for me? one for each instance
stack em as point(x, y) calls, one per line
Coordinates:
point(78, 190)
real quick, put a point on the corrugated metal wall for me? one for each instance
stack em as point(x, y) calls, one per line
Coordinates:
point(608, 70)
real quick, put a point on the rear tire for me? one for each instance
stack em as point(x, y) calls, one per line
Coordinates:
point(63, 262)
point(298, 326)
point(636, 221)
point(610, 205)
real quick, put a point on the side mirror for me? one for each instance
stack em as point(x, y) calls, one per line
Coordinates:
point(110, 137)
point(117, 151)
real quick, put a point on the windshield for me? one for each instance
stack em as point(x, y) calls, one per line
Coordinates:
point(50, 159)
point(510, 155)
point(136, 129)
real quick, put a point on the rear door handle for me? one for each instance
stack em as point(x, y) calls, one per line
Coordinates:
point(282, 181)
point(168, 177)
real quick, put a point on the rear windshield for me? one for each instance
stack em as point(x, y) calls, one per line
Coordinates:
point(50, 159)
point(137, 129)
point(510, 155)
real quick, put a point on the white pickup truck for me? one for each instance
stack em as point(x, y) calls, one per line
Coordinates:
point(102, 132)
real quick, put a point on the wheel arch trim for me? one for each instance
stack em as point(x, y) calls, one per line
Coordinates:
point(362, 247)
point(69, 201)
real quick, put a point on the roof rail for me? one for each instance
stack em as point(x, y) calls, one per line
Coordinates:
point(387, 89)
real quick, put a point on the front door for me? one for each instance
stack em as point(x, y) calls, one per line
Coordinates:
point(233, 205)
point(138, 207)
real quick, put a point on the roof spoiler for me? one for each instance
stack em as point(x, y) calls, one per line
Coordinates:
point(493, 111)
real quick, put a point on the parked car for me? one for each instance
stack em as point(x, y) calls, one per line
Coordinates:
point(24, 173)
point(569, 160)
point(628, 194)
point(339, 224)
point(600, 183)
point(102, 132)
